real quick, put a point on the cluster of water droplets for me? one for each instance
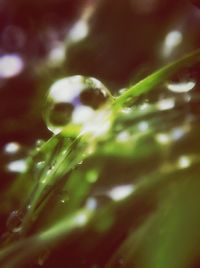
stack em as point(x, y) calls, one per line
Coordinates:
point(77, 105)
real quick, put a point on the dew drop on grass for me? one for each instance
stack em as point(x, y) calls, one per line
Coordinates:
point(14, 221)
point(77, 104)
point(40, 164)
point(39, 143)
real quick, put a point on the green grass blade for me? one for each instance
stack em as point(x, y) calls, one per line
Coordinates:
point(156, 78)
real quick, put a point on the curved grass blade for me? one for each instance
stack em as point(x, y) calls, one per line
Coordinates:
point(156, 78)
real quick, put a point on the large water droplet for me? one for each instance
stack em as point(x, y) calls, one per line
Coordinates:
point(75, 103)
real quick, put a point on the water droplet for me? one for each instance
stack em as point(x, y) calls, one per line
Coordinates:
point(39, 143)
point(127, 110)
point(40, 164)
point(14, 221)
point(122, 90)
point(74, 104)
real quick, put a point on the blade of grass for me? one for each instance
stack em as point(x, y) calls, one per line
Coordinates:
point(156, 78)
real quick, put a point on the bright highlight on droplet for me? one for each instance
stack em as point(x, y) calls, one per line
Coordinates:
point(78, 105)
point(121, 192)
point(172, 40)
point(181, 87)
point(99, 124)
point(82, 114)
point(11, 148)
point(61, 90)
point(18, 166)
point(184, 162)
point(10, 65)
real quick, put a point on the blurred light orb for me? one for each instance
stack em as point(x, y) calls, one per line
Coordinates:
point(143, 126)
point(172, 40)
point(81, 219)
point(184, 161)
point(18, 166)
point(181, 87)
point(11, 147)
point(10, 65)
point(91, 203)
point(166, 104)
point(56, 54)
point(123, 136)
point(121, 192)
point(163, 138)
point(79, 31)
